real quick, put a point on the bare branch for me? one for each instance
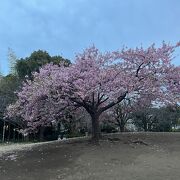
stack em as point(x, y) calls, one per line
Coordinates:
point(111, 104)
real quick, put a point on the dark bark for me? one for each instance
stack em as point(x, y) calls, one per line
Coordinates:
point(95, 127)
point(121, 124)
point(9, 132)
point(41, 133)
point(113, 103)
point(145, 126)
point(94, 109)
point(122, 127)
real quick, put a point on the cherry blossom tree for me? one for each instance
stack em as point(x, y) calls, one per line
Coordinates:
point(97, 82)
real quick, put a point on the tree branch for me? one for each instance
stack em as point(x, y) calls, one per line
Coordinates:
point(111, 104)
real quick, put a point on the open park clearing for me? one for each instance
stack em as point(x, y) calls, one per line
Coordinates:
point(126, 156)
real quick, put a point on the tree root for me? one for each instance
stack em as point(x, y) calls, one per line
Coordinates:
point(139, 142)
point(114, 139)
point(129, 141)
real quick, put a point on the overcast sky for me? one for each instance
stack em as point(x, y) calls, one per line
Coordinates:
point(65, 27)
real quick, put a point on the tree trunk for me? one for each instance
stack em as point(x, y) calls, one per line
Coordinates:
point(95, 128)
point(27, 137)
point(41, 134)
point(9, 132)
point(4, 129)
point(122, 127)
point(145, 127)
point(14, 134)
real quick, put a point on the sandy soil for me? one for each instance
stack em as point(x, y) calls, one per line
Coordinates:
point(139, 156)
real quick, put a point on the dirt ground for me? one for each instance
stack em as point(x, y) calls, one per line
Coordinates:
point(127, 156)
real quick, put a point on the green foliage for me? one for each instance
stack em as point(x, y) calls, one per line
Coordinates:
point(8, 85)
point(22, 68)
point(157, 119)
point(167, 118)
point(37, 59)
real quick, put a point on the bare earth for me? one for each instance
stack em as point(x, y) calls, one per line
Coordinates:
point(127, 156)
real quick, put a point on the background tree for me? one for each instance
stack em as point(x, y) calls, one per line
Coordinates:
point(145, 119)
point(121, 113)
point(8, 85)
point(157, 119)
point(37, 59)
point(167, 118)
point(12, 59)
